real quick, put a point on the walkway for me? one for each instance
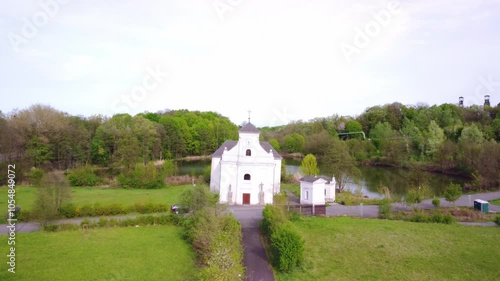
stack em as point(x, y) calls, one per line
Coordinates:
point(255, 258)
point(371, 211)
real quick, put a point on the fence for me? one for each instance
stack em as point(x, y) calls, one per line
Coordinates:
point(310, 210)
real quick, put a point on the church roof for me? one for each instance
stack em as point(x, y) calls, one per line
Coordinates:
point(315, 178)
point(268, 146)
point(249, 128)
point(230, 144)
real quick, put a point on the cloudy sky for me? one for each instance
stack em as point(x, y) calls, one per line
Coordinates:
point(283, 60)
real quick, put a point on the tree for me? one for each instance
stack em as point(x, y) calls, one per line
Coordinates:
point(275, 144)
point(52, 193)
point(452, 193)
point(294, 143)
point(471, 134)
point(309, 166)
point(339, 162)
point(353, 126)
point(380, 134)
point(435, 138)
point(197, 198)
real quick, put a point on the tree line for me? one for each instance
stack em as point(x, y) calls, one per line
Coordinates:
point(444, 138)
point(46, 138)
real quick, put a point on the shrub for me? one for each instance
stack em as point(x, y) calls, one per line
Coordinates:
point(453, 192)
point(142, 176)
point(85, 211)
point(273, 216)
point(436, 202)
point(84, 176)
point(50, 228)
point(384, 208)
point(68, 211)
point(36, 176)
point(286, 248)
point(497, 219)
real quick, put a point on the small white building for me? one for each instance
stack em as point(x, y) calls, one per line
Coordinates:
point(316, 190)
point(247, 171)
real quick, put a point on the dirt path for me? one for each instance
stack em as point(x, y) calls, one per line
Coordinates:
point(255, 258)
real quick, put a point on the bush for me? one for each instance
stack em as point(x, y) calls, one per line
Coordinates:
point(84, 176)
point(216, 239)
point(452, 193)
point(497, 219)
point(432, 218)
point(36, 176)
point(436, 202)
point(273, 217)
point(68, 211)
point(286, 248)
point(142, 176)
point(384, 208)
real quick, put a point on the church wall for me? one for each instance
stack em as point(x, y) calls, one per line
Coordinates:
point(215, 175)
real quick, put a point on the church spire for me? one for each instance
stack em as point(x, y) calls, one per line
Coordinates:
point(249, 116)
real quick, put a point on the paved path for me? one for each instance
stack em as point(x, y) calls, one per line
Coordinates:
point(255, 258)
point(35, 226)
point(371, 211)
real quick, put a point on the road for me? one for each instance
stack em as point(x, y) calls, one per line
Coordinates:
point(257, 267)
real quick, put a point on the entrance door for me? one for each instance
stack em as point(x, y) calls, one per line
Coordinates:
point(246, 198)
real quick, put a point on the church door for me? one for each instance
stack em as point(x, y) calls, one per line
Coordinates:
point(246, 198)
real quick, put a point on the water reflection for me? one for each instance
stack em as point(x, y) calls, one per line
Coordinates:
point(372, 178)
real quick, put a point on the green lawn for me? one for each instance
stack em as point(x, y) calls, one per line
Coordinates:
point(495, 202)
point(25, 196)
point(143, 253)
point(372, 249)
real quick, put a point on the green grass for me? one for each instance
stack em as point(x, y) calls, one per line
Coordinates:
point(143, 253)
point(25, 196)
point(495, 202)
point(369, 249)
point(293, 187)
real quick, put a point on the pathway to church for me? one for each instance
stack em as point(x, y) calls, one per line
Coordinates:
point(255, 258)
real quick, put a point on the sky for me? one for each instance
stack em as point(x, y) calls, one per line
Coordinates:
point(283, 60)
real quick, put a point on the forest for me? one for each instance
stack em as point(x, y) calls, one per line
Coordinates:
point(444, 138)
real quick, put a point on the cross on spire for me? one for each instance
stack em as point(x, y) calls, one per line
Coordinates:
point(249, 116)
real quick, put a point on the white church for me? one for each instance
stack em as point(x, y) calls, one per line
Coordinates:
point(247, 171)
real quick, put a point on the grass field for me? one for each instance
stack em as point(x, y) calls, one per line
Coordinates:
point(25, 196)
point(495, 202)
point(369, 249)
point(143, 253)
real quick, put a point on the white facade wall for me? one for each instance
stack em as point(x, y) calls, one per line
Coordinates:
point(228, 172)
point(312, 192)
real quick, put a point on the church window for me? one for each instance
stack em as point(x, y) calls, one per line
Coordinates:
point(246, 177)
point(248, 152)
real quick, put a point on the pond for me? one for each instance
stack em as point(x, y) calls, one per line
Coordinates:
point(396, 179)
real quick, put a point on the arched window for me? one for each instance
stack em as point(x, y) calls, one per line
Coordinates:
point(249, 152)
point(246, 177)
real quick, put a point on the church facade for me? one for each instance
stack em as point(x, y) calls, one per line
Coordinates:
point(247, 171)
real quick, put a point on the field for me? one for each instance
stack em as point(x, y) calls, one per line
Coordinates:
point(25, 196)
point(143, 253)
point(495, 202)
point(369, 249)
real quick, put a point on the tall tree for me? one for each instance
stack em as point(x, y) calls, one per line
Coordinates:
point(309, 166)
point(341, 164)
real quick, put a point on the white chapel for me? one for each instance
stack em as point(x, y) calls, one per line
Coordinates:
point(247, 171)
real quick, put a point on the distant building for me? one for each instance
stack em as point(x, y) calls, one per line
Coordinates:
point(247, 171)
point(316, 190)
point(487, 100)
